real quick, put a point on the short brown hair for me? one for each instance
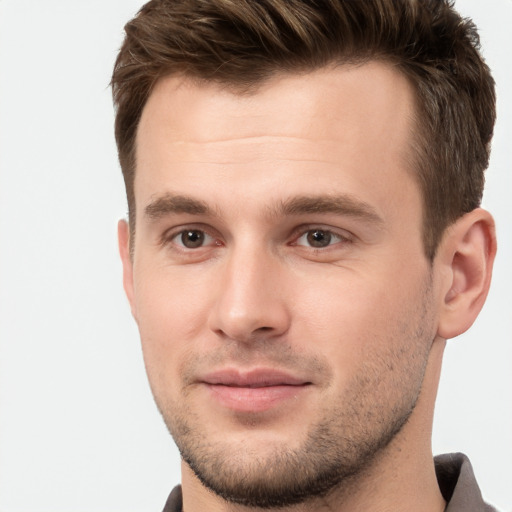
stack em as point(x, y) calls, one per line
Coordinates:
point(241, 43)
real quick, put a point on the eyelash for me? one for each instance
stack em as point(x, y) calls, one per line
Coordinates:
point(303, 231)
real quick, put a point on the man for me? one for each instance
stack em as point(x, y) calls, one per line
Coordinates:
point(304, 181)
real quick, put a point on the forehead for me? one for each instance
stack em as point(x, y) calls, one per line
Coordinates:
point(355, 122)
point(320, 98)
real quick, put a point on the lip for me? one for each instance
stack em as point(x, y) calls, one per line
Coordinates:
point(256, 390)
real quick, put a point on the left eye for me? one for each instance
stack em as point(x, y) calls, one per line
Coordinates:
point(192, 238)
point(319, 238)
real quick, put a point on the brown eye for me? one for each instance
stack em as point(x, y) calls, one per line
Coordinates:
point(318, 238)
point(192, 238)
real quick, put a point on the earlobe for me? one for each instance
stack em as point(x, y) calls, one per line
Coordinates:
point(467, 254)
point(123, 236)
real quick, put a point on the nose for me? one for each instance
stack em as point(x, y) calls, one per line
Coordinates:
point(251, 302)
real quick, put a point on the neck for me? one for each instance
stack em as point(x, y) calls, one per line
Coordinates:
point(400, 479)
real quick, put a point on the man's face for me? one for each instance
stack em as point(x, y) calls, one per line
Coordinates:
point(279, 283)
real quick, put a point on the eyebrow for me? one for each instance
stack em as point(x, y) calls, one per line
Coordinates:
point(345, 205)
point(175, 204)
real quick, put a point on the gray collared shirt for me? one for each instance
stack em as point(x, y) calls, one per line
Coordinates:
point(454, 475)
point(458, 484)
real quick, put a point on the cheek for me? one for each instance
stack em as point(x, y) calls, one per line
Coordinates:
point(171, 320)
point(344, 304)
point(168, 303)
point(349, 318)
point(377, 345)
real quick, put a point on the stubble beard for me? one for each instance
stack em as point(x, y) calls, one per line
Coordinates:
point(336, 451)
point(329, 459)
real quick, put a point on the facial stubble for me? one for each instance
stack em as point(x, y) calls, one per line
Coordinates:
point(339, 447)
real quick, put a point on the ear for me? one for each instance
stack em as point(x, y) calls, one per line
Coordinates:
point(123, 237)
point(466, 255)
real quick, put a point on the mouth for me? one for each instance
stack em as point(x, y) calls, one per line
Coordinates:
point(256, 390)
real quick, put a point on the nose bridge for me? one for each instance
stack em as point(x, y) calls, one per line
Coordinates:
point(250, 302)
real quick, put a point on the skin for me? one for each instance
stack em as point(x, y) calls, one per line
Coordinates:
point(359, 323)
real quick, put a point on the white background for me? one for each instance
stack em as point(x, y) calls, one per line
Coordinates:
point(78, 429)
